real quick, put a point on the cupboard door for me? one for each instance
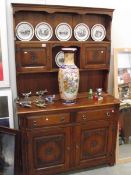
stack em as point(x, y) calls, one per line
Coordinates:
point(32, 57)
point(48, 151)
point(96, 56)
point(93, 143)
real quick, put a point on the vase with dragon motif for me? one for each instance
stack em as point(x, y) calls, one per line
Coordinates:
point(68, 77)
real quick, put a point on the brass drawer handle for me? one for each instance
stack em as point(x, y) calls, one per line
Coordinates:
point(34, 123)
point(46, 118)
point(68, 148)
point(62, 119)
point(108, 114)
point(77, 146)
point(84, 117)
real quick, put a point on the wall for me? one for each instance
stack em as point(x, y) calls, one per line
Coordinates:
point(121, 27)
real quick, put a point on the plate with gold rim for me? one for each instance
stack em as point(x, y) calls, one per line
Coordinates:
point(63, 32)
point(24, 31)
point(59, 58)
point(43, 31)
point(81, 32)
point(98, 32)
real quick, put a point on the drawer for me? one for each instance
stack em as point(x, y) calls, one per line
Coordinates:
point(44, 120)
point(94, 115)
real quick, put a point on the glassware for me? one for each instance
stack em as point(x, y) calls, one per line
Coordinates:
point(99, 93)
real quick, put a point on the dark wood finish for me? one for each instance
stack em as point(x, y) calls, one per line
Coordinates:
point(101, 115)
point(88, 131)
point(35, 57)
point(45, 120)
point(32, 57)
point(61, 137)
point(92, 140)
point(96, 56)
point(50, 151)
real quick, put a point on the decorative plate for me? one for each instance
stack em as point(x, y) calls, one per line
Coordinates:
point(81, 32)
point(59, 58)
point(43, 31)
point(98, 32)
point(24, 31)
point(63, 32)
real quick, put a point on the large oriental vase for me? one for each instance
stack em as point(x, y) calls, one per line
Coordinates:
point(68, 77)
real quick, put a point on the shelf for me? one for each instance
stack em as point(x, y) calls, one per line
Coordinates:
point(35, 60)
point(60, 42)
point(82, 102)
point(56, 70)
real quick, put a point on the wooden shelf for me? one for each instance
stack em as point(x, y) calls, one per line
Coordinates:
point(81, 103)
point(59, 42)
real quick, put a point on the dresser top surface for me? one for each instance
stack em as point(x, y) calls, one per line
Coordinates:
point(58, 106)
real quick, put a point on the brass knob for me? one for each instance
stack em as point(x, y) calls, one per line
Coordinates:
point(108, 114)
point(34, 123)
point(113, 111)
point(46, 119)
point(84, 117)
point(62, 119)
point(68, 148)
point(77, 146)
